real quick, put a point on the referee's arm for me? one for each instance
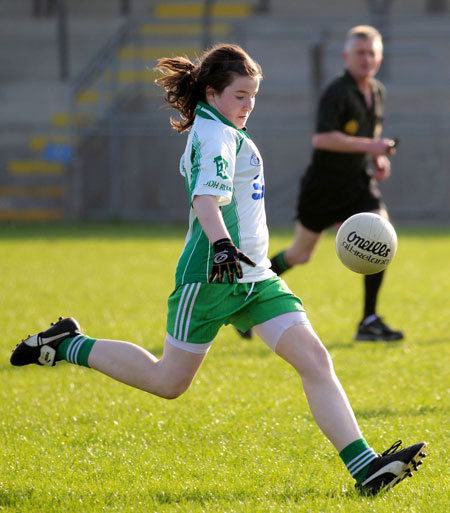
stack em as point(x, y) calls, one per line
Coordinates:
point(339, 142)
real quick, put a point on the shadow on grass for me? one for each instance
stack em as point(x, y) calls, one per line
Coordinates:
point(92, 230)
point(436, 341)
point(290, 495)
point(393, 344)
point(331, 346)
point(377, 413)
point(119, 229)
point(335, 345)
point(15, 497)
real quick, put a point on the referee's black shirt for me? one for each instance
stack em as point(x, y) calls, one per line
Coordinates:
point(342, 108)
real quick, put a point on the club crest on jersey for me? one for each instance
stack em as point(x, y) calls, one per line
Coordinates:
point(221, 166)
point(255, 160)
point(258, 186)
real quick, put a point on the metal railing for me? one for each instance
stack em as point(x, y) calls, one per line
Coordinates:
point(102, 95)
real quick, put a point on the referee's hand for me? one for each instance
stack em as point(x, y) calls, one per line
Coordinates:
point(383, 146)
point(227, 258)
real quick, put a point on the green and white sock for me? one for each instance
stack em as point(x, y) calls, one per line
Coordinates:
point(357, 457)
point(76, 350)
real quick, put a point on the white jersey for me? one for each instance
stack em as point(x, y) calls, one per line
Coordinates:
point(222, 161)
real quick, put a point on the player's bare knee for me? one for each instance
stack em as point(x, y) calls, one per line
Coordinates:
point(174, 390)
point(319, 361)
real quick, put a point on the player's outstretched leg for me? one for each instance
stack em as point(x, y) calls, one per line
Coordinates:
point(167, 377)
point(391, 467)
point(41, 348)
point(300, 346)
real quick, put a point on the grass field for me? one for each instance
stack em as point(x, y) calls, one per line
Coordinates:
point(242, 438)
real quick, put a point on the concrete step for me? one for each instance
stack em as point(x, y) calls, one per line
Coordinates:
point(32, 49)
point(31, 191)
point(17, 212)
point(35, 198)
point(308, 9)
point(161, 29)
point(97, 8)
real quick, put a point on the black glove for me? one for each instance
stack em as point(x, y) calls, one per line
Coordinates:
point(226, 260)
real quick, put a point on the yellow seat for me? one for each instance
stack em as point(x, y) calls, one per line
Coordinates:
point(195, 10)
point(34, 167)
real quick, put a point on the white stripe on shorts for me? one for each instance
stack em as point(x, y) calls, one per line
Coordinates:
point(188, 320)
point(190, 292)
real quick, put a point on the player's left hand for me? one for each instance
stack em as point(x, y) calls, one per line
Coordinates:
point(226, 260)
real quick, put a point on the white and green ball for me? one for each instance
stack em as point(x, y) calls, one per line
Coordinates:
point(366, 243)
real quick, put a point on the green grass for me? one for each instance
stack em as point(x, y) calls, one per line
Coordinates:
point(242, 438)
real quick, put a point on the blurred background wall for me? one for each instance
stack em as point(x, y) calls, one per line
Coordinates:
point(84, 133)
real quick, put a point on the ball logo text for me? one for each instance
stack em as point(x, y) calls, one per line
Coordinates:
point(376, 248)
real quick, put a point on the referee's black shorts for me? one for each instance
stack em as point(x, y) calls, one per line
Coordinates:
point(327, 198)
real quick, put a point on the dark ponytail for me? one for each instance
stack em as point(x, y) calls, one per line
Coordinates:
point(182, 91)
point(185, 83)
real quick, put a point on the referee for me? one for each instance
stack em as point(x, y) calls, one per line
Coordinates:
point(348, 161)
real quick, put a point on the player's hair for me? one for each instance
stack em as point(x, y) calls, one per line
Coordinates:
point(362, 32)
point(185, 83)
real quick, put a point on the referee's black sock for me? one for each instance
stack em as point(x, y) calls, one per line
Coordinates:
point(279, 264)
point(372, 284)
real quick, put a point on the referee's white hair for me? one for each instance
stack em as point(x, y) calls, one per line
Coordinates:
point(362, 32)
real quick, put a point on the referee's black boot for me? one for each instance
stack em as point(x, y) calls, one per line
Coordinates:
point(376, 330)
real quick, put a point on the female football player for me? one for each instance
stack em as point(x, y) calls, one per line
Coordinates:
point(223, 275)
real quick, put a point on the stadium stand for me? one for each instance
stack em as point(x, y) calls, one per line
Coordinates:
point(94, 145)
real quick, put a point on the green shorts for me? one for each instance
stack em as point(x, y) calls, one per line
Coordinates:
point(198, 310)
